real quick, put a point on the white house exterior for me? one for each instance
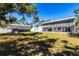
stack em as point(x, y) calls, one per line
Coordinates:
point(5, 30)
point(61, 25)
point(19, 27)
point(15, 28)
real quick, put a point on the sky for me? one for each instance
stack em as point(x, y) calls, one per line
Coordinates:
point(53, 11)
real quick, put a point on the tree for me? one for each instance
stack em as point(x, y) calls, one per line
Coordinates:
point(21, 8)
point(10, 19)
point(25, 9)
point(42, 21)
point(76, 11)
point(31, 24)
point(29, 9)
point(36, 19)
point(5, 8)
point(23, 20)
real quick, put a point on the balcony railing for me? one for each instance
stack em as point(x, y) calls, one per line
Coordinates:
point(60, 25)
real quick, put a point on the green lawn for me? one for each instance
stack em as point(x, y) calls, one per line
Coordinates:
point(44, 43)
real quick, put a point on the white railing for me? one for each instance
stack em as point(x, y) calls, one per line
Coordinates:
point(60, 25)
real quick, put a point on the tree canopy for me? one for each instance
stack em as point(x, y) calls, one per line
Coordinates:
point(76, 11)
point(27, 9)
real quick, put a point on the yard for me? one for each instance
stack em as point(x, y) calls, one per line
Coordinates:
point(39, 44)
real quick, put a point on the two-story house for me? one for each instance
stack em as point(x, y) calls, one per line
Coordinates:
point(61, 25)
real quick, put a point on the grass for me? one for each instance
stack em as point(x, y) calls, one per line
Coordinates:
point(41, 44)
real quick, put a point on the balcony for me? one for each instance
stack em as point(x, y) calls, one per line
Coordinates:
point(60, 25)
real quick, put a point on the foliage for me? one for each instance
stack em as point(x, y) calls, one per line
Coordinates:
point(7, 7)
point(76, 11)
point(2, 24)
point(10, 19)
point(22, 20)
point(20, 8)
point(26, 8)
point(42, 21)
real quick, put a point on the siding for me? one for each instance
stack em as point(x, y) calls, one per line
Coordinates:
point(5, 30)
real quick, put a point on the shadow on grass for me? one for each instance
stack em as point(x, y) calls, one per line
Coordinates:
point(74, 35)
point(24, 34)
point(41, 47)
point(35, 47)
point(69, 51)
point(30, 49)
point(8, 48)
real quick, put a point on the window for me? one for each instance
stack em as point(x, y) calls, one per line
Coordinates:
point(49, 29)
point(54, 28)
point(59, 28)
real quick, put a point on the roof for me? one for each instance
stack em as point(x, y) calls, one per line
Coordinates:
point(18, 25)
point(65, 20)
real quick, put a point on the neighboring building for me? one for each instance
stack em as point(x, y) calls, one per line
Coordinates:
point(19, 27)
point(62, 25)
point(15, 28)
point(5, 30)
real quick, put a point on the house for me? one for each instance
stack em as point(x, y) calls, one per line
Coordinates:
point(61, 25)
point(19, 27)
point(15, 28)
